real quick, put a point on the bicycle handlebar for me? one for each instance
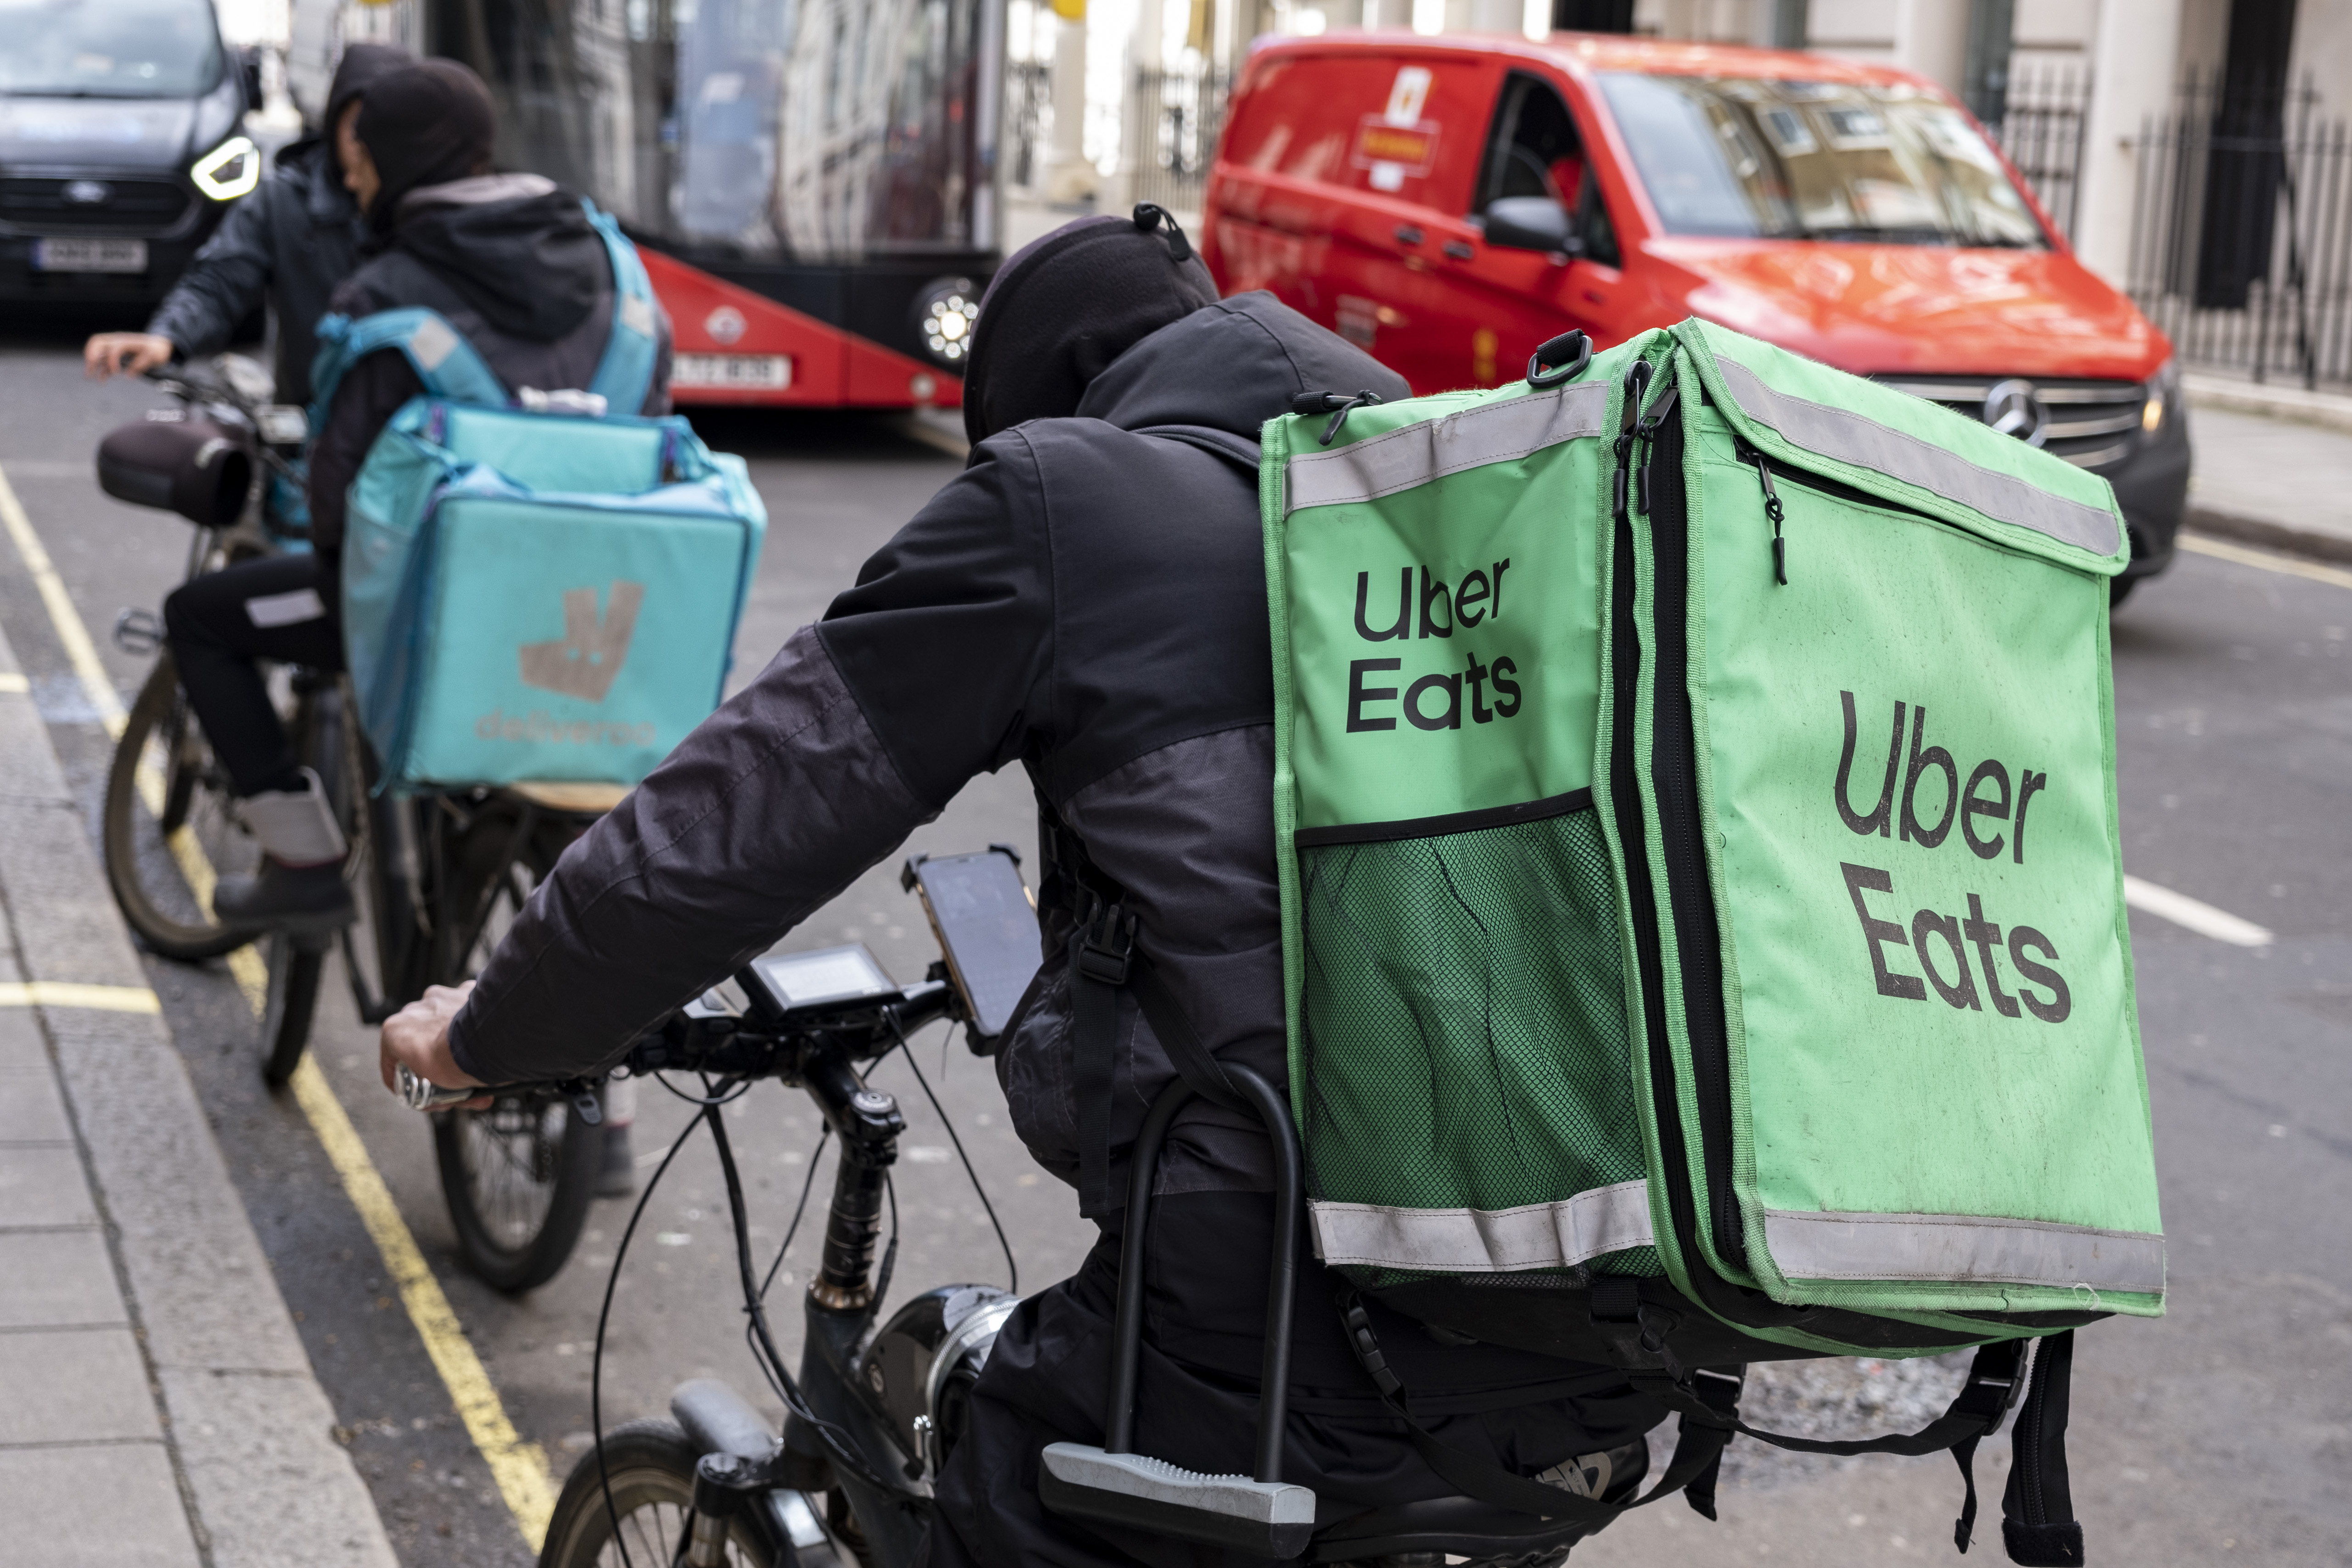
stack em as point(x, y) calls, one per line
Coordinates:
point(759, 1044)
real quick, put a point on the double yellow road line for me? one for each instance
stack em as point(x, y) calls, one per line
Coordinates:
point(519, 1468)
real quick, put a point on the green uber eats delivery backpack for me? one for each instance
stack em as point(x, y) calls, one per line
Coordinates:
point(535, 586)
point(1702, 902)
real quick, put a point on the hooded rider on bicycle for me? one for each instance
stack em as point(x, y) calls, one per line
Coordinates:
point(508, 261)
point(1087, 598)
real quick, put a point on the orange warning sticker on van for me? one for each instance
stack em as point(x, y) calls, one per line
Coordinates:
point(1412, 147)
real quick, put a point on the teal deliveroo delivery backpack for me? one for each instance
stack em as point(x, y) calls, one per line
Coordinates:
point(536, 586)
point(1702, 892)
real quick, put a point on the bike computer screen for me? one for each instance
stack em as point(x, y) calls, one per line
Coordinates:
point(824, 978)
point(987, 925)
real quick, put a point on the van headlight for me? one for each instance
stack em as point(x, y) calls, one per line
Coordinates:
point(228, 171)
point(2162, 388)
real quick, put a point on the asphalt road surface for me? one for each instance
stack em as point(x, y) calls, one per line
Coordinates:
point(2223, 1432)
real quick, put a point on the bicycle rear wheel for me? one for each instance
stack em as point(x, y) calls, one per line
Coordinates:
point(651, 1467)
point(518, 1174)
point(169, 826)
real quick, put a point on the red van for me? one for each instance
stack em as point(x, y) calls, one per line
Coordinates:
point(1449, 203)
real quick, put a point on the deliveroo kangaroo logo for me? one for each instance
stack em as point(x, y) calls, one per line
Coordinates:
point(587, 659)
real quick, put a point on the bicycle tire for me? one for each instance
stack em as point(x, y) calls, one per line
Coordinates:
point(517, 1195)
point(161, 921)
point(651, 1466)
point(294, 973)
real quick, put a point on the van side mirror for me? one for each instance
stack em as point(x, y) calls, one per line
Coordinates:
point(1530, 222)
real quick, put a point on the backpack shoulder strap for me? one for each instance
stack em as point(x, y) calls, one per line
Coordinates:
point(626, 374)
point(443, 361)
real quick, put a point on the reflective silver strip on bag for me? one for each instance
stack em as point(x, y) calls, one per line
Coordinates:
point(1943, 1246)
point(1865, 443)
point(1402, 460)
point(1485, 1241)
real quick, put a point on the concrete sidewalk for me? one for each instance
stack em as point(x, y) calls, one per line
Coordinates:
point(2274, 466)
point(156, 1407)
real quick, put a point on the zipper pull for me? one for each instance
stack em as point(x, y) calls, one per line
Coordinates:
point(1772, 509)
point(1646, 432)
point(1637, 381)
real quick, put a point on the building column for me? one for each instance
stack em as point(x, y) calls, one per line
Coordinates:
point(2134, 63)
point(1068, 176)
point(1931, 37)
point(1388, 12)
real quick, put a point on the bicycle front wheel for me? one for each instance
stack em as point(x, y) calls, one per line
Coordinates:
point(650, 1465)
point(169, 828)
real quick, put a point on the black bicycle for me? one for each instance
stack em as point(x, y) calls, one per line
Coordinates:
point(437, 876)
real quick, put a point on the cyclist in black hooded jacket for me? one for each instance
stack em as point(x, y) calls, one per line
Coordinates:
point(1087, 599)
point(512, 263)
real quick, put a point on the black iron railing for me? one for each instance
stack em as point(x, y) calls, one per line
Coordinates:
point(2241, 232)
point(1177, 116)
point(2041, 129)
point(1028, 118)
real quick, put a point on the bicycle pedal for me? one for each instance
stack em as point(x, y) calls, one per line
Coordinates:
point(1265, 1518)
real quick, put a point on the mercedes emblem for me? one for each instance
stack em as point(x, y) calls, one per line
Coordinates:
point(2015, 408)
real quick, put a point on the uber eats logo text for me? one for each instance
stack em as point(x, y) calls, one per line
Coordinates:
point(1438, 701)
point(1989, 810)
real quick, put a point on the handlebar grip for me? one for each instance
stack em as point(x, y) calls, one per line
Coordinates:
point(422, 1094)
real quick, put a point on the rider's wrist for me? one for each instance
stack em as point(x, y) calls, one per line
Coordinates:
point(459, 1055)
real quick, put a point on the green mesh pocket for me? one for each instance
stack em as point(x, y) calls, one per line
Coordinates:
point(1462, 1019)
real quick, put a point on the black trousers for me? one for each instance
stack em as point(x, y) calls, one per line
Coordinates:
point(1197, 1405)
point(282, 609)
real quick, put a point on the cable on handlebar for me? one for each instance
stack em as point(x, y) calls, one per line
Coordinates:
point(1012, 1269)
point(603, 1315)
point(843, 1447)
point(824, 1136)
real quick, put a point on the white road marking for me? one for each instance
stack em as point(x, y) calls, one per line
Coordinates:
point(2269, 561)
point(2194, 914)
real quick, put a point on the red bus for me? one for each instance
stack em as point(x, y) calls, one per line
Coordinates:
point(813, 182)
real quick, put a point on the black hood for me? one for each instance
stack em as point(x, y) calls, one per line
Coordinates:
point(1231, 366)
point(530, 263)
point(360, 64)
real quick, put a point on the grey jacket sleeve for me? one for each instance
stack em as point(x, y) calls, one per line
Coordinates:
point(775, 803)
point(228, 281)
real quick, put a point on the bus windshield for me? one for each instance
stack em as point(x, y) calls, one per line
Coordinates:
point(108, 48)
point(795, 131)
point(1760, 158)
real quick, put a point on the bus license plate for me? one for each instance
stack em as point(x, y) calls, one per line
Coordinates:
point(765, 372)
point(89, 256)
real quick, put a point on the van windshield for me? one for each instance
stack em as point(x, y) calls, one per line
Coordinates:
point(1760, 158)
point(108, 48)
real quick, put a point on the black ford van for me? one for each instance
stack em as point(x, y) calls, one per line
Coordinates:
point(122, 145)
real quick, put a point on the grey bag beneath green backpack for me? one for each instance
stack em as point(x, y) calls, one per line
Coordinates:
point(1702, 889)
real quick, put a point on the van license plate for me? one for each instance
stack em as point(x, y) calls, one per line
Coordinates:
point(767, 373)
point(89, 256)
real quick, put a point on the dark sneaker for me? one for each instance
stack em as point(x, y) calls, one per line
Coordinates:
point(284, 898)
point(618, 1179)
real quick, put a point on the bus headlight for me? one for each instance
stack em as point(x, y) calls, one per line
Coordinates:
point(228, 171)
point(945, 314)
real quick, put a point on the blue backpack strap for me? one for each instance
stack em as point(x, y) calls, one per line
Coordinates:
point(626, 374)
point(443, 361)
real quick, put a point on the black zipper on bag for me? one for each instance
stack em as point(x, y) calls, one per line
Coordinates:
point(1674, 773)
point(1735, 1304)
